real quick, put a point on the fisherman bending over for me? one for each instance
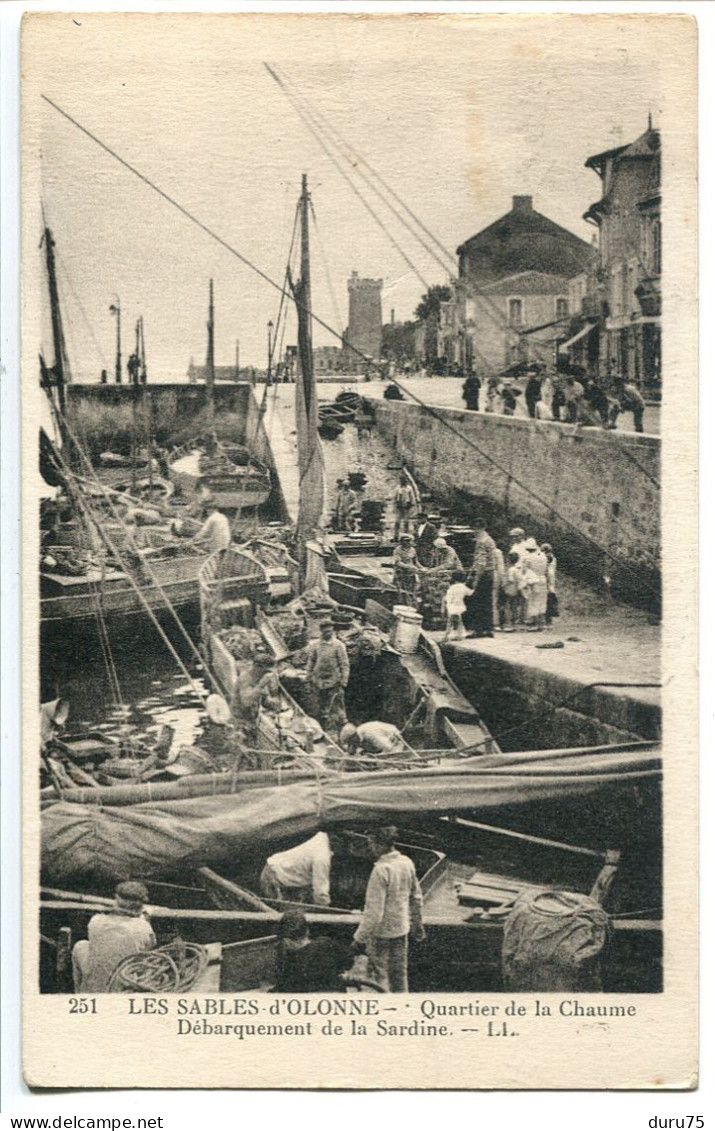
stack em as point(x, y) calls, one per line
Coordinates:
point(373, 738)
point(301, 874)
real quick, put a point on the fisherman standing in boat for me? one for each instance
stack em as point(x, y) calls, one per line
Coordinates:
point(405, 506)
point(347, 506)
point(405, 566)
point(392, 913)
point(256, 686)
point(113, 935)
point(327, 672)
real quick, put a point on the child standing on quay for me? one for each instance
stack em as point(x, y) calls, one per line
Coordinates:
point(453, 607)
point(513, 587)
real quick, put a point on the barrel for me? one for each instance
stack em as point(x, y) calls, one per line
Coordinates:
point(405, 633)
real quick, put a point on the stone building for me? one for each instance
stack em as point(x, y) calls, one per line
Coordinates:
point(328, 360)
point(364, 332)
point(617, 328)
point(511, 299)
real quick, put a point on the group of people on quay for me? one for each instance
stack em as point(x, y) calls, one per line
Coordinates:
point(502, 588)
point(570, 398)
point(391, 917)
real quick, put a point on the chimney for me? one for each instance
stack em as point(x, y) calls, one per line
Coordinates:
point(522, 204)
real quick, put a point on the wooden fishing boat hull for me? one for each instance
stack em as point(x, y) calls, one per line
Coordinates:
point(243, 489)
point(454, 958)
point(75, 607)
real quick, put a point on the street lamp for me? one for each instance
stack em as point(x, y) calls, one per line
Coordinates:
point(269, 379)
point(116, 309)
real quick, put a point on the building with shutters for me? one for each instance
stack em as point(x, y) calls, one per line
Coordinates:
point(617, 330)
point(511, 298)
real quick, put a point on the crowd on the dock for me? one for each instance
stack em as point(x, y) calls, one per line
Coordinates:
point(503, 588)
point(571, 398)
point(542, 394)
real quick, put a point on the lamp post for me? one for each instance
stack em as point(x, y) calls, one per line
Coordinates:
point(116, 309)
point(269, 378)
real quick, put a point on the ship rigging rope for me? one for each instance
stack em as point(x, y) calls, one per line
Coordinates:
point(126, 567)
point(66, 277)
point(326, 269)
point(282, 289)
point(360, 195)
point(95, 589)
point(303, 106)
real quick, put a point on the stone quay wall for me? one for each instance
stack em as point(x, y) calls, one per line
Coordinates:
point(103, 415)
point(593, 494)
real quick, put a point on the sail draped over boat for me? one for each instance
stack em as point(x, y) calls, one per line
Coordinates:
point(159, 839)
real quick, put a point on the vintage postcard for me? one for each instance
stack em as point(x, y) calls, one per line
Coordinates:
point(359, 539)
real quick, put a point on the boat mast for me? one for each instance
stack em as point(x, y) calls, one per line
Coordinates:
point(210, 367)
point(134, 366)
point(310, 455)
point(146, 403)
point(58, 370)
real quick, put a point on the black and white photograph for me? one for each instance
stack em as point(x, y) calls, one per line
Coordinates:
point(347, 367)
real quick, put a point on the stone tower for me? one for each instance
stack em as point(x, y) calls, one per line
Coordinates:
point(364, 331)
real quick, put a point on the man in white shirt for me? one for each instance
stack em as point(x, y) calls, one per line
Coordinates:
point(112, 936)
point(301, 874)
point(392, 913)
point(215, 533)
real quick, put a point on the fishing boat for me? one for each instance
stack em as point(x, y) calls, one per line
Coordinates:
point(93, 567)
point(471, 872)
point(233, 478)
point(224, 471)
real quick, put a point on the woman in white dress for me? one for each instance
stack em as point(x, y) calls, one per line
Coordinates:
point(535, 568)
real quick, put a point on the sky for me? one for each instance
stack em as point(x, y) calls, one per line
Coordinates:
point(458, 114)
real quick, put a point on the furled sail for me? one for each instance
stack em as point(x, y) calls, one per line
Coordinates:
point(310, 453)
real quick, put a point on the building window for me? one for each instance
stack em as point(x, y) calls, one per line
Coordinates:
point(516, 312)
point(562, 308)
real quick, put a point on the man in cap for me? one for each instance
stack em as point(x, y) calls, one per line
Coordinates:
point(347, 505)
point(427, 532)
point(392, 912)
point(256, 686)
point(405, 566)
point(327, 672)
point(405, 504)
point(112, 936)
